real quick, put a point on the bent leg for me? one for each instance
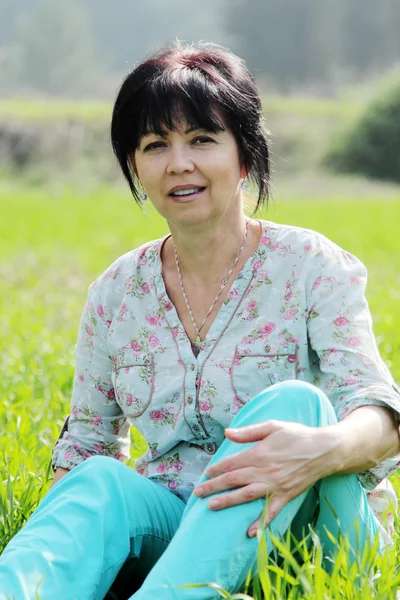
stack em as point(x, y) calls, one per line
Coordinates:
point(213, 546)
point(83, 531)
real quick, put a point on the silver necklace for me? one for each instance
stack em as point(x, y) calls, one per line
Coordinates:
point(198, 342)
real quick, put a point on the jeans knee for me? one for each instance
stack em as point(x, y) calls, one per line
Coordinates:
point(291, 400)
point(100, 467)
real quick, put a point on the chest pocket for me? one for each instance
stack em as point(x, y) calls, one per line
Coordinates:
point(253, 370)
point(134, 383)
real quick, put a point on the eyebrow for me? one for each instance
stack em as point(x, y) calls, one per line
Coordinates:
point(165, 133)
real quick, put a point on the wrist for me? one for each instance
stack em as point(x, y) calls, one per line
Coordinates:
point(333, 444)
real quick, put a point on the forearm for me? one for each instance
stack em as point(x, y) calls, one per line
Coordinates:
point(60, 472)
point(364, 439)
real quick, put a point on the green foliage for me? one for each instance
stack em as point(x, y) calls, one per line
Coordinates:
point(371, 146)
point(52, 246)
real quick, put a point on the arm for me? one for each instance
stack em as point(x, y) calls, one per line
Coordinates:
point(354, 377)
point(97, 424)
point(60, 472)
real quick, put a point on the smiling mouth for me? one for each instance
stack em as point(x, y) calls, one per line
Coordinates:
point(184, 197)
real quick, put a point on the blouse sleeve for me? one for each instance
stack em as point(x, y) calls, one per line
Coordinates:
point(339, 325)
point(96, 424)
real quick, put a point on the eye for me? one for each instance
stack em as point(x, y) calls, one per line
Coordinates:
point(203, 138)
point(152, 146)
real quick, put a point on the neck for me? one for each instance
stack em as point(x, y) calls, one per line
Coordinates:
point(206, 256)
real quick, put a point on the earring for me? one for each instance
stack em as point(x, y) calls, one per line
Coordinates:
point(143, 197)
point(244, 184)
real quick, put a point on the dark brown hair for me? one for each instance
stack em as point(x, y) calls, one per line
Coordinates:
point(193, 82)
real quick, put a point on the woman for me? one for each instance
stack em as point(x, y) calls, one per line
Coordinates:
point(228, 322)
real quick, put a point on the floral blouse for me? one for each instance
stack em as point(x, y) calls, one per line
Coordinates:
point(296, 310)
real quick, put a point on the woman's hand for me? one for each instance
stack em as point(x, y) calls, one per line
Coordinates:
point(287, 460)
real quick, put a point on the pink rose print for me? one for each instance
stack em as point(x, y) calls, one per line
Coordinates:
point(100, 310)
point(162, 468)
point(178, 465)
point(268, 328)
point(75, 412)
point(155, 320)
point(111, 394)
point(129, 400)
point(317, 283)
point(205, 405)
point(307, 248)
point(290, 314)
point(265, 241)
point(341, 321)
point(145, 288)
point(68, 455)
point(257, 264)
point(135, 346)
point(89, 330)
point(292, 358)
point(99, 449)
point(233, 294)
point(81, 378)
point(168, 306)
point(252, 305)
point(172, 485)
point(175, 332)
point(156, 415)
point(118, 455)
point(288, 295)
point(140, 471)
point(153, 340)
point(108, 323)
point(353, 341)
point(350, 380)
point(354, 279)
point(95, 420)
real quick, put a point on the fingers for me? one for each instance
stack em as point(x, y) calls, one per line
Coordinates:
point(252, 433)
point(241, 460)
point(227, 481)
point(245, 494)
point(275, 505)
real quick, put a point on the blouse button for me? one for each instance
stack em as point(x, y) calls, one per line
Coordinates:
point(196, 427)
point(190, 399)
point(267, 348)
point(210, 448)
point(193, 366)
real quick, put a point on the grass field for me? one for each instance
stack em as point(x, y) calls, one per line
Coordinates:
point(54, 244)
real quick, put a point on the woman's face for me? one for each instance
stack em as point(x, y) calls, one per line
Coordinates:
point(194, 159)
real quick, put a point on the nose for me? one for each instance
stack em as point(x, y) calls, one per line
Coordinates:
point(179, 160)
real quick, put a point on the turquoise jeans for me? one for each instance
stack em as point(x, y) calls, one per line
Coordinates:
point(103, 516)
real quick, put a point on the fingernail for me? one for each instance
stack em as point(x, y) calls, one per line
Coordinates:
point(199, 493)
point(253, 532)
point(214, 503)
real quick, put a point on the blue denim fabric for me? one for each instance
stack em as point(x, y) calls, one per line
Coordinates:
point(103, 513)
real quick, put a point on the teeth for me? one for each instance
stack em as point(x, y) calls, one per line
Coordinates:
point(186, 192)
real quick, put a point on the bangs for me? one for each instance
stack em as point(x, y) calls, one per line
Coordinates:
point(201, 86)
point(175, 99)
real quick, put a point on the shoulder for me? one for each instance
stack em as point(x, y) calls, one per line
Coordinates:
point(311, 246)
point(116, 276)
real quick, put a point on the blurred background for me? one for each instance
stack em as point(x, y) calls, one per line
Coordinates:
point(318, 63)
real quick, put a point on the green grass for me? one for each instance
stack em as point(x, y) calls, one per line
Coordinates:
point(52, 245)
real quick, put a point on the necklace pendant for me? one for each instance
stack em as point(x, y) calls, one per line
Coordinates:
point(198, 341)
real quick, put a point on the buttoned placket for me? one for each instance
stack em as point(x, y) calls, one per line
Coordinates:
point(194, 366)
